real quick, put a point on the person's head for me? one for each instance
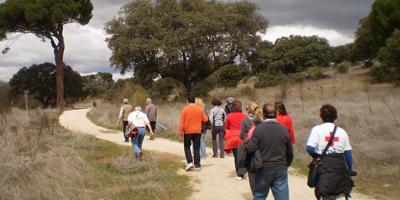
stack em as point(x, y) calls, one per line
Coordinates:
point(199, 102)
point(236, 106)
point(148, 101)
point(328, 113)
point(252, 108)
point(229, 100)
point(125, 101)
point(280, 108)
point(269, 111)
point(216, 102)
point(191, 99)
point(138, 108)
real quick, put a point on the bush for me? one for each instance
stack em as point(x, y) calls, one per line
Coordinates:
point(343, 67)
point(203, 87)
point(381, 73)
point(163, 88)
point(230, 75)
point(269, 80)
point(135, 94)
point(314, 73)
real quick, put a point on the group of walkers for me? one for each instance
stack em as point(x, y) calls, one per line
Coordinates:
point(260, 142)
point(135, 123)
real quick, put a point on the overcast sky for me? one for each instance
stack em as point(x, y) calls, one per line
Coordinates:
point(87, 52)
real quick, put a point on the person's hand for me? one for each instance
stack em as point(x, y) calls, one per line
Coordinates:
point(180, 138)
point(151, 135)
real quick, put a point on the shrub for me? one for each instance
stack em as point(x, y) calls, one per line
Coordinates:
point(343, 67)
point(230, 75)
point(381, 73)
point(314, 73)
point(268, 80)
point(136, 94)
point(163, 88)
point(203, 87)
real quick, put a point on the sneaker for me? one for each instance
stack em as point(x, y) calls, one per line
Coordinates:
point(140, 156)
point(189, 166)
point(215, 156)
point(197, 169)
point(126, 140)
point(238, 178)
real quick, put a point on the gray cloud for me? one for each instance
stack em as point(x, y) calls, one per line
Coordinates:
point(340, 15)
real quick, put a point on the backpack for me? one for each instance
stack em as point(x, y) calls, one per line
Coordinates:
point(251, 131)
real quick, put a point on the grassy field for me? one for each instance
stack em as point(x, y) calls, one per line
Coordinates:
point(41, 160)
point(368, 112)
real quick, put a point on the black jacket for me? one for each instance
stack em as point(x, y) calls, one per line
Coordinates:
point(248, 162)
point(273, 142)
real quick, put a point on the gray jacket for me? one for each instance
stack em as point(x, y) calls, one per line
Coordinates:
point(217, 115)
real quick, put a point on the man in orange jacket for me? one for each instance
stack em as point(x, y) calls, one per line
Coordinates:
point(190, 125)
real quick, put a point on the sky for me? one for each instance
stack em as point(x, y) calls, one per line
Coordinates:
point(87, 52)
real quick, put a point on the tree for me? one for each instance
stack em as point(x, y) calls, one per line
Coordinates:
point(97, 84)
point(388, 56)
point(39, 81)
point(293, 54)
point(379, 25)
point(45, 19)
point(185, 40)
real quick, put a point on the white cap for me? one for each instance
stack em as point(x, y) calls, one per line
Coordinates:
point(138, 108)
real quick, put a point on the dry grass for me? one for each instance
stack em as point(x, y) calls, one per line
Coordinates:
point(40, 160)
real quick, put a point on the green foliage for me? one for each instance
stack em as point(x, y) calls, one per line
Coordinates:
point(185, 40)
point(389, 69)
point(268, 80)
point(163, 88)
point(343, 67)
point(379, 25)
point(314, 73)
point(97, 84)
point(343, 53)
point(134, 93)
point(230, 75)
point(293, 54)
point(39, 81)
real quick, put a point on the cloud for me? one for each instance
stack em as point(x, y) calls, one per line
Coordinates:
point(335, 38)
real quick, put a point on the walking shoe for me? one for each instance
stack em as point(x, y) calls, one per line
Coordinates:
point(238, 178)
point(215, 156)
point(222, 156)
point(189, 166)
point(140, 156)
point(126, 140)
point(197, 169)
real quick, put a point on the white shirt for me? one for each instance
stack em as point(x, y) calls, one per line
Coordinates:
point(138, 119)
point(217, 115)
point(319, 138)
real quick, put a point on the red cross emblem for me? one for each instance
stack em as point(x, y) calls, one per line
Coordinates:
point(335, 139)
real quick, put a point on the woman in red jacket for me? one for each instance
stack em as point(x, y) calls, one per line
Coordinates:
point(232, 131)
point(285, 119)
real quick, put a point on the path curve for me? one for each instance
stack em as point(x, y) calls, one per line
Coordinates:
point(216, 179)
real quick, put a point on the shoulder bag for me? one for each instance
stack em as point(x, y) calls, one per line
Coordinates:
point(313, 173)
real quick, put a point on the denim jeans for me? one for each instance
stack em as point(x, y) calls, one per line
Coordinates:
point(276, 179)
point(203, 145)
point(138, 141)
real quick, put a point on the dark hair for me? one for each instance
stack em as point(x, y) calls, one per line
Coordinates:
point(236, 106)
point(216, 102)
point(191, 99)
point(269, 111)
point(328, 113)
point(280, 107)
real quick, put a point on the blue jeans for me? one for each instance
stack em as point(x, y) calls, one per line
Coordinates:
point(276, 179)
point(138, 141)
point(203, 145)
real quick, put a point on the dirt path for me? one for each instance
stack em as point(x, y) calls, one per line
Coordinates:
point(216, 179)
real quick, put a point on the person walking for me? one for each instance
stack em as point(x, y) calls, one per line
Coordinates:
point(139, 121)
point(151, 112)
point(190, 125)
point(331, 145)
point(228, 106)
point(232, 132)
point(254, 118)
point(217, 119)
point(124, 112)
point(203, 154)
point(272, 140)
point(285, 119)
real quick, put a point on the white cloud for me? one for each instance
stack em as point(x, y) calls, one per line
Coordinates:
point(334, 37)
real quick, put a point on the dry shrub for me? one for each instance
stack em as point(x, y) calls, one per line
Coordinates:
point(105, 114)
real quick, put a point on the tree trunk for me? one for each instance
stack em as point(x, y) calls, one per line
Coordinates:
point(59, 58)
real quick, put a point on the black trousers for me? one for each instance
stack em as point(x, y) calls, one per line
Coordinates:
point(235, 156)
point(124, 125)
point(188, 139)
